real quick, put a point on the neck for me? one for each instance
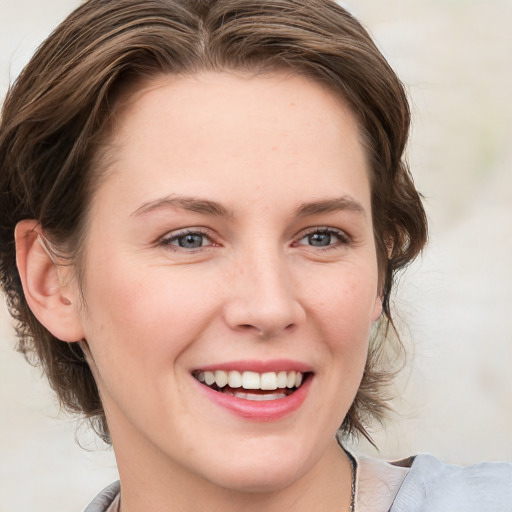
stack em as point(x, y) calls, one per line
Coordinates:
point(327, 486)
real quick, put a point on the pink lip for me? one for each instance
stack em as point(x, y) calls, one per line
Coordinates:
point(277, 365)
point(269, 410)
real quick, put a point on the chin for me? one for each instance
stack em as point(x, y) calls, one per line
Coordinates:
point(257, 480)
point(259, 475)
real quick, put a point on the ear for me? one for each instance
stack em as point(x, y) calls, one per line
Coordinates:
point(48, 283)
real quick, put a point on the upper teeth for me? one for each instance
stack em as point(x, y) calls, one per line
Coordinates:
point(251, 380)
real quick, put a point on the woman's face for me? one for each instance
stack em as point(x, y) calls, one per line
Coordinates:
point(230, 239)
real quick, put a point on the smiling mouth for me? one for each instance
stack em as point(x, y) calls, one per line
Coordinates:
point(252, 385)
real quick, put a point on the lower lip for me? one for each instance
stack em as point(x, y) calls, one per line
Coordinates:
point(267, 410)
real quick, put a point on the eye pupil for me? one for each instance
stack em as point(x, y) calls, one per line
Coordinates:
point(191, 241)
point(320, 239)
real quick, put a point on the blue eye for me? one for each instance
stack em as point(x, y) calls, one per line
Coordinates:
point(324, 238)
point(187, 240)
point(320, 239)
point(191, 241)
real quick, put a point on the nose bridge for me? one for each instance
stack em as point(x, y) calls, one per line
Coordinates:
point(263, 295)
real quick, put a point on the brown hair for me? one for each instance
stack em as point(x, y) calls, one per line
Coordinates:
point(58, 113)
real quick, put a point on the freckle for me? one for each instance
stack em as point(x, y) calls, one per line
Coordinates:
point(292, 104)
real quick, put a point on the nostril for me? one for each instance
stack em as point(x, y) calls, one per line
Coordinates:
point(263, 332)
point(265, 318)
point(248, 327)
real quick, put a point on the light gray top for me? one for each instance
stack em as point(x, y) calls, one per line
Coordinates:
point(429, 486)
point(432, 486)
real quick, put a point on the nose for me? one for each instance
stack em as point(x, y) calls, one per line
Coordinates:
point(263, 297)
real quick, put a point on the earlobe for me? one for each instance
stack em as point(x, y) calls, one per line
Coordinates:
point(49, 290)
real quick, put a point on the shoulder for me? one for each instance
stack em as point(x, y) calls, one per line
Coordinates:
point(106, 499)
point(432, 486)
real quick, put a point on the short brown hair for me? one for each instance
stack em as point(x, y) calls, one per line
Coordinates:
point(57, 115)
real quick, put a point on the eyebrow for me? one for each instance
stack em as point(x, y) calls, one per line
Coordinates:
point(192, 204)
point(337, 204)
point(215, 209)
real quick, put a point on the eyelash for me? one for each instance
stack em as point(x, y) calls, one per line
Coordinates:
point(167, 241)
point(343, 238)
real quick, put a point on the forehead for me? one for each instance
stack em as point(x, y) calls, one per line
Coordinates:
point(226, 127)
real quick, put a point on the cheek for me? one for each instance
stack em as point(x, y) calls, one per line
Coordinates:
point(138, 320)
point(348, 297)
point(138, 327)
point(135, 295)
point(345, 306)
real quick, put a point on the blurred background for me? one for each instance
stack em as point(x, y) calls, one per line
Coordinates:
point(454, 304)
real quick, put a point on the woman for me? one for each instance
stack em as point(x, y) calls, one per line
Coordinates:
point(209, 205)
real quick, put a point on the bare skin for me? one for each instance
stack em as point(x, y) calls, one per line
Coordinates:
point(234, 227)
